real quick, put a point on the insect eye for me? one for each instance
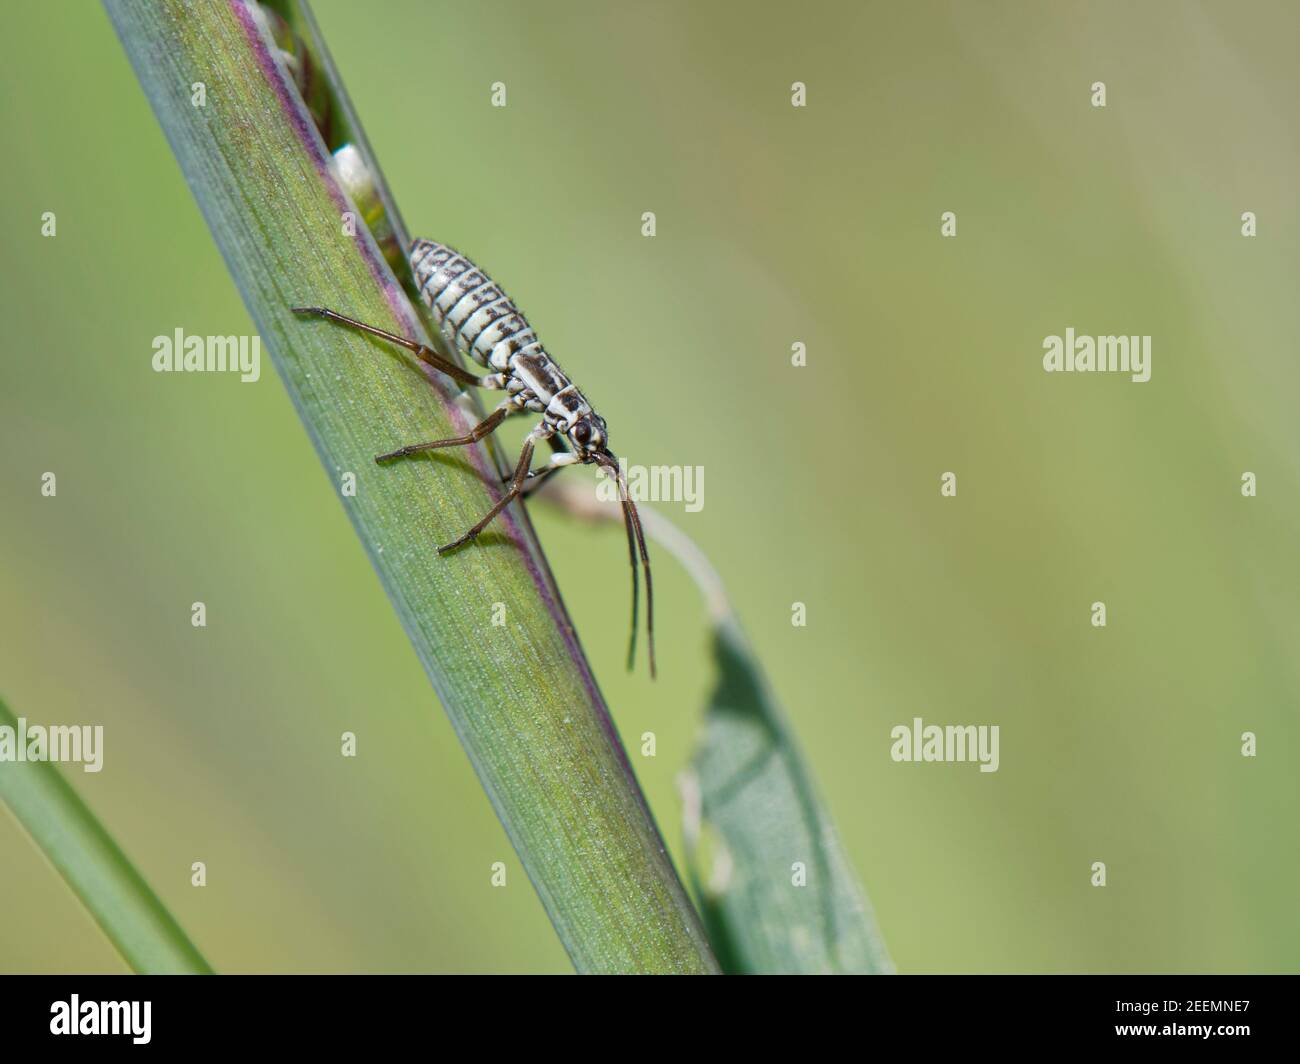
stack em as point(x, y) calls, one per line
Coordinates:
point(582, 434)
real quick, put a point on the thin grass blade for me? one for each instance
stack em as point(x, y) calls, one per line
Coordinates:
point(82, 851)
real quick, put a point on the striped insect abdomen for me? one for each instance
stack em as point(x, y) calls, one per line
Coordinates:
point(476, 317)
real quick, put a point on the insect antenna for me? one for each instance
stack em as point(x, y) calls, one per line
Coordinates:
point(630, 511)
point(635, 543)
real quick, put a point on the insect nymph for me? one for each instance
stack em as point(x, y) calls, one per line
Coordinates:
point(480, 321)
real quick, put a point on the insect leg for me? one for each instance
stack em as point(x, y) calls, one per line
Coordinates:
point(558, 461)
point(423, 353)
point(559, 447)
point(516, 486)
point(483, 428)
point(535, 477)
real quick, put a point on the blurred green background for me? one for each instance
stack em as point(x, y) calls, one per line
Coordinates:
point(775, 225)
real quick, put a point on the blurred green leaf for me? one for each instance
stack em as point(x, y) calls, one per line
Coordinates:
point(99, 873)
point(521, 696)
point(777, 892)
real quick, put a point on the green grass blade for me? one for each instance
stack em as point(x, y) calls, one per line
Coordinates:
point(520, 696)
point(99, 873)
